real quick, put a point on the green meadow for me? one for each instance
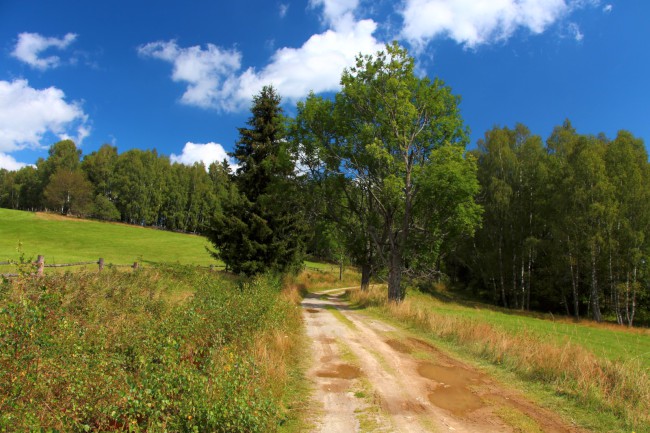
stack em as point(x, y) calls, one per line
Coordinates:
point(67, 240)
point(613, 342)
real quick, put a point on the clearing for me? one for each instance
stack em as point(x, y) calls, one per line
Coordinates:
point(371, 376)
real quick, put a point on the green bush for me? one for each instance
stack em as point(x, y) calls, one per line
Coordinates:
point(118, 351)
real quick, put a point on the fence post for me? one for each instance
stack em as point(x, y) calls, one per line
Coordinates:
point(135, 266)
point(40, 263)
point(100, 262)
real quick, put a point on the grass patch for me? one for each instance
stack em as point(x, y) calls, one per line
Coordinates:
point(616, 392)
point(67, 240)
point(112, 352)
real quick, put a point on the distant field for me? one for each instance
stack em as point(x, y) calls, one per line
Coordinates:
point(66, 240)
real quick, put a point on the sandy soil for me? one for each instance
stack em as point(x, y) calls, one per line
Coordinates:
point(369, 376)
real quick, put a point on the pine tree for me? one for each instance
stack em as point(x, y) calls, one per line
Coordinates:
point(260, 225)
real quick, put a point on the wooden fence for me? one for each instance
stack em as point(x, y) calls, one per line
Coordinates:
point(41, 265)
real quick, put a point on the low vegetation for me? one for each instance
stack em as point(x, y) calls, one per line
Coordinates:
point(616, 387)
point(162, 349)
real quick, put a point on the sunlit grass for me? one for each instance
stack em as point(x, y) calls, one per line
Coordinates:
point(67, 240)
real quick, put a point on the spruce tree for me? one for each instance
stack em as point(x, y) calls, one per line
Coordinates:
point(260, 226)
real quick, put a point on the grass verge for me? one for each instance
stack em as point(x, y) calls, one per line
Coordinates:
point(617, 393)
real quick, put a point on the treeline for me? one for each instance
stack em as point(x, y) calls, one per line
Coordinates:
point(378, 176)
point(136, 187)
point(565, 224)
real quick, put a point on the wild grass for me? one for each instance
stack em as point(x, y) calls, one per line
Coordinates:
point(620, 388)
point(313, 279)
point(116, 351)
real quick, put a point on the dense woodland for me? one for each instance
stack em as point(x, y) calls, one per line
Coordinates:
point(378, 176)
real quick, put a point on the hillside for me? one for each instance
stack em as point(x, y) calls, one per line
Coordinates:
point(62, 240)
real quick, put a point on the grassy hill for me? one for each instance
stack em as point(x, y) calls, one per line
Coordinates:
point(65, 240)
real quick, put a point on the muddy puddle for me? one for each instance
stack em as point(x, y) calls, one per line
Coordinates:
point(312, 310)
point(399, 346)
point(341, 371)
point(453, 392)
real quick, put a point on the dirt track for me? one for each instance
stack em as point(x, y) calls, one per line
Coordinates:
point(369, 376)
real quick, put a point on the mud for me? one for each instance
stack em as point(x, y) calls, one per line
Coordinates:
point(341, 371)
point(312, 310)
point(399, 346)
point(452, 392)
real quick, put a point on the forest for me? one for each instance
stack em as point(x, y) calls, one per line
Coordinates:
point(382, 176)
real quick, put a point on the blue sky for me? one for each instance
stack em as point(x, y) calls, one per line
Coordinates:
point(179, 76)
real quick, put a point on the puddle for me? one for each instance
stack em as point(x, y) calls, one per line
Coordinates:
point(341, 371)
point(452, 392)
point(457, 400)
point(399, 346)
point(446, 375)
point(312, 310)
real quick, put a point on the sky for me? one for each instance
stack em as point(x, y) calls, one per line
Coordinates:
point(179, 76)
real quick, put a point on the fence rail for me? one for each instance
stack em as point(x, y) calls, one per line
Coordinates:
point(41, 265)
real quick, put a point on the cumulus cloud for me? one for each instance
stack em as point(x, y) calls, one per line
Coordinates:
point(337, 13)
point(28, 114)
point(608, 8)
point(206, 71)
point(9, 163)
point(476, 22)
point(215, 77)
point(206, 153)
point(30, 46)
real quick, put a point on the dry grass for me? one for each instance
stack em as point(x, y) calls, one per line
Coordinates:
point(622, 388)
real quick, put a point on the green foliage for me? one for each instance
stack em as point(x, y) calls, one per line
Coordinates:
point(122, 352)
point(260, 225)
point(377, 142)
point(565, 225)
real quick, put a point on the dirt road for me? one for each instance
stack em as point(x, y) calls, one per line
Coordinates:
point(371, 377)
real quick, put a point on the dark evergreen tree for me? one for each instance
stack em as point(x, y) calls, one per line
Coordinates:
point(260, 226)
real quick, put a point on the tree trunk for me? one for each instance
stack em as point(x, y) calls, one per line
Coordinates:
point(595, 304)
point(574, 287)
point(366, 274)
point(395, 292)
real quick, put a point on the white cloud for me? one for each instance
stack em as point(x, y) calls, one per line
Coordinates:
point(215, 79)
point(31, 45)
point(206, 153)
point(608, 8)
point(27, 114)
point(283, 9)
point(336, 13)
point(574, 31)
point(9, 163)
point(476, 22)
point(317, 65)
point(205, 70)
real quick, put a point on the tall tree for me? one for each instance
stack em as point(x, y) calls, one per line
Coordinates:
point(261, 226)
point(388, 126)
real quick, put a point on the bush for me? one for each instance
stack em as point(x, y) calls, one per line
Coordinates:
point(118, 352)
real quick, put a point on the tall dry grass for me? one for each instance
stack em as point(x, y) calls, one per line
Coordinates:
point(622, 388)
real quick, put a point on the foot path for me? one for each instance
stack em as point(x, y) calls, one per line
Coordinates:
point(369, 376)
